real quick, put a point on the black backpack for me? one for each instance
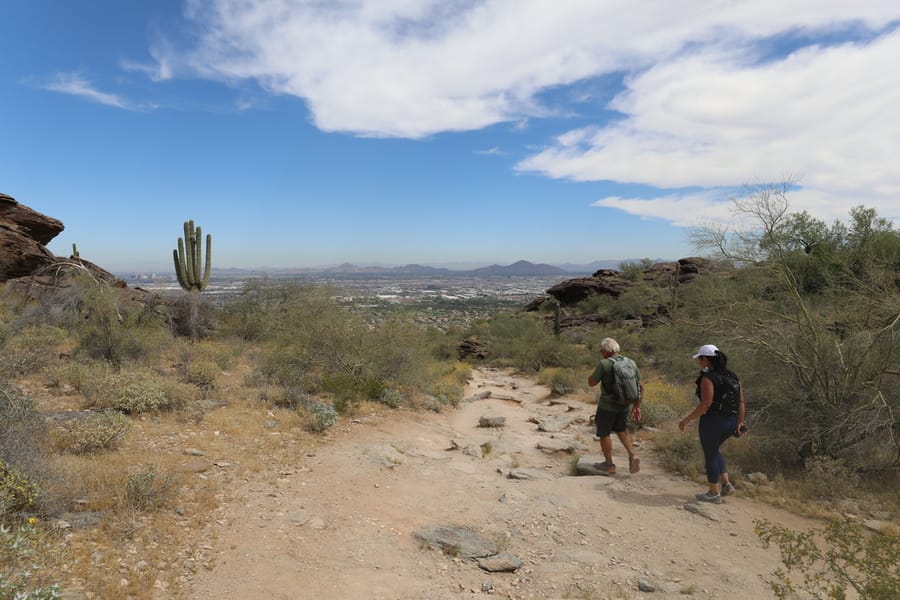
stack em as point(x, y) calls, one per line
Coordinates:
point(727, 396)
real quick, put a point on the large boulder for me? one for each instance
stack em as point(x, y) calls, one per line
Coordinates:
point(23, 233)
point(573, 291)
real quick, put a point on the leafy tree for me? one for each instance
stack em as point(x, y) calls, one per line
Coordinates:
point(819, 320)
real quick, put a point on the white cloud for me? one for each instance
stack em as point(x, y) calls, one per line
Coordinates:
point(688, 210)
point(704, 105)
point(76, 85)
point(410, 68)
point(826, 113)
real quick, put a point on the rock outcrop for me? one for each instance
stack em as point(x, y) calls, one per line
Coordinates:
point(29, 269)
point(610, 282)
point(605, 281)
point(23, 235)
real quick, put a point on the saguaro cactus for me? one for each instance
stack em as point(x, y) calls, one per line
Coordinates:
point(187, 259)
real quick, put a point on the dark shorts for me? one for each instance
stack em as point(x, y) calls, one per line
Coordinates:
point(608, 421)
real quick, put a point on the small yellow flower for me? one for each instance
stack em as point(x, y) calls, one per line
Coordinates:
point(32, 520)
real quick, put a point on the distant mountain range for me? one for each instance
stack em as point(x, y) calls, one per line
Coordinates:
point(522, 268)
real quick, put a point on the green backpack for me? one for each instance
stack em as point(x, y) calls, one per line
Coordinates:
point(625, 380)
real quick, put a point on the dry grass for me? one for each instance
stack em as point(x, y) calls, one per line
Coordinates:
point(159, 491)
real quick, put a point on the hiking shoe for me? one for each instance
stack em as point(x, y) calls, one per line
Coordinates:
point(727, 489)
point(634, 464)
point(708, 497)
point(606, 468)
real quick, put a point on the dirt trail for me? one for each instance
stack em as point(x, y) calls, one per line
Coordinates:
point(340, 524)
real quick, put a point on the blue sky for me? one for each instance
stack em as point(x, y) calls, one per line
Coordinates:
point(306, 133)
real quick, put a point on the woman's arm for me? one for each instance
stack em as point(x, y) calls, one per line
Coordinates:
point(707, 391)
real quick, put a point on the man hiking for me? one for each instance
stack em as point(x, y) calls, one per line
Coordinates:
point(620, 395)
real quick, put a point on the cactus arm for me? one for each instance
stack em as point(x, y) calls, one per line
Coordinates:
point(190, 273)
point(178, 255)
point(196, 239)
point(208, 271)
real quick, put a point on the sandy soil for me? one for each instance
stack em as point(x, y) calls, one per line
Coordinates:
point(340, 524)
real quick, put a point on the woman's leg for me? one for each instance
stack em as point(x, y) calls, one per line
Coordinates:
point(711, 429)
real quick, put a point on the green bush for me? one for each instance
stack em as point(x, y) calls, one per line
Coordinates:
point(203, 374)
point(657, 414)
point(319, 416)
point(111, 328)
point(679, 452)
point(23, 440)
point(845, 559)
point(135, 391)
point(30, 351)
point(18, 493)
point(79, 374)
point(446, 392)
point(148, 490)
point(561, 381)
point(526, 342)
point(91, 432)
point(24, 572)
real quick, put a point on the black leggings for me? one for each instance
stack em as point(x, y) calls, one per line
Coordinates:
point(715, 429)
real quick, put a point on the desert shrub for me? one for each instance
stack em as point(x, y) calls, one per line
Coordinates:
point(656, 414)
point(18, 493)
point(79, 374)
point(664, 403)
point(23, 439)
point(253, 315)
point(445, 393)
point(146, 489)
point(825, 477)
point(191, 315)
point(846, 559)
point(25, 571)
point(392, 397)
point(560, 380)
point(679, 452)
point(318, 416)
point(179, 395)
point(30, 350)
point(525, 342)
point(91, 432)
point(113, 329)
point(202, 374)
point(133, 391)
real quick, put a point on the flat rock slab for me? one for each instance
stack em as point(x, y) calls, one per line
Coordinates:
point(590, 465)
point(704, 510)
point(554, 445)
point(491, 421)
point(456, 540)
point(501, 563)
point(554, 423)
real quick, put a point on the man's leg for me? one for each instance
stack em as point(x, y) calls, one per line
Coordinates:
point(606, 448)
point(634, 463)
point(604, 421)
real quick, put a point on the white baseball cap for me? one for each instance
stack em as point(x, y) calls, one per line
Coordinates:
point(706, 350)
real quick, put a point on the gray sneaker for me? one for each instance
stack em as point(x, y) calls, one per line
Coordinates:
point(727, 489)
point(708, 497)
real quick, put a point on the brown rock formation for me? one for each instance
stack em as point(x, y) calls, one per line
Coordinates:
point(23, 233)
point(604, 281)
point(29, 269)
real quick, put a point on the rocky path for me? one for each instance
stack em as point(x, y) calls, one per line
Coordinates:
point(342, 523)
